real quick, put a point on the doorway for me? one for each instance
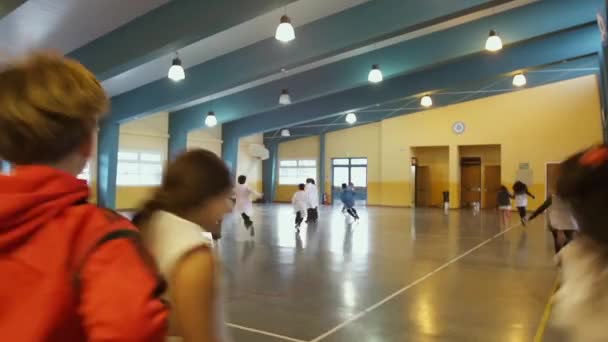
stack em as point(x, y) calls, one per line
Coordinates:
point(470, 181)
point(491, 185)
point(346, 171)
point(423, 186)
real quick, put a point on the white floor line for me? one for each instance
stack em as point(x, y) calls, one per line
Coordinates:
point(262, 332)
point(409, 286)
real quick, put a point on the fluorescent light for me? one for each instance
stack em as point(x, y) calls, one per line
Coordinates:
point(285, 32)
point(375, 75)
point(351, 118)
point(210, 120)
point(493, 43)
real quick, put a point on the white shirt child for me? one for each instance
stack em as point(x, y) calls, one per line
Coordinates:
point(300, 202)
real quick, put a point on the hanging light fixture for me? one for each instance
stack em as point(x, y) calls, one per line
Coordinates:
point(519, 80)
point(210, 120)
point(285, 99)
point(285, 133)
point(426, 101)
point(375, 75)
point(351, 118)
point(176, 71)
point(285, 32)
point(493, 43)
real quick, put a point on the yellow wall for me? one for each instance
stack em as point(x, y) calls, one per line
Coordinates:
point(437, 159)
point(305, 148)
point(535, 126)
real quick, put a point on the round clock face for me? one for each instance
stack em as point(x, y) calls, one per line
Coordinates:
point(458, 127)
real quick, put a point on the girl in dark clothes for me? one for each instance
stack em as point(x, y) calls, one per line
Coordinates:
point(504, 204)
point(521, 193)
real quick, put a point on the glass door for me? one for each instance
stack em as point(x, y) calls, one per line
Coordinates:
point(350, 171)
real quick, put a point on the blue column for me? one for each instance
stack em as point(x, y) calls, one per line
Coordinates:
point(321, 181)
point(178, 141)
point(269, 171)
point(603, 62)
point(107, 162)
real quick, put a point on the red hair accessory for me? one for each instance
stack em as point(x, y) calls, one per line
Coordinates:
point(595, 157)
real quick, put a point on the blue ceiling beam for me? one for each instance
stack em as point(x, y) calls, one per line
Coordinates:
point(476, 68)
point(167, 29)
point(323, 38)
point(7, 6)
point(416, 54)
point(581, 67)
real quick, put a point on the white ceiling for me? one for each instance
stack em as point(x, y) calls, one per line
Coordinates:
point(65, 25)
point(247, 33)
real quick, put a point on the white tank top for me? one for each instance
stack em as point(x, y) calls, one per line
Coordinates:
point(169, 237)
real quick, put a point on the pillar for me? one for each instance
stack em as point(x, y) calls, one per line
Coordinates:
point(107, 164)
point(322, 161)
point(454, 177)
point(230, 151)
point(269, 171)
point(178, 142)
point(603, 63)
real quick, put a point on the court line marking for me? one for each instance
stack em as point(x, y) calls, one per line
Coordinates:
point(409, 286)
point(262, 332)
point(540, 332)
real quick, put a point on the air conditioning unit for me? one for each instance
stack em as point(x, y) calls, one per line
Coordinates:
point(259, 151)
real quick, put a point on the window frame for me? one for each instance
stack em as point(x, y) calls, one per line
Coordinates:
point(303, 169)
point(139, 162)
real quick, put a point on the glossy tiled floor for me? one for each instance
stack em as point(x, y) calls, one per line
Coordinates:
point(398, 275)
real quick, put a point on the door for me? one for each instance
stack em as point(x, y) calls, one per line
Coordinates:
point(552, 174)
point(423, 186)
point(346, 171)
point(491, 185)
point(470, 183)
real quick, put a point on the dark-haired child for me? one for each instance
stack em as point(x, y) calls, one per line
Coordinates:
point(521, 193)
point(300, 205)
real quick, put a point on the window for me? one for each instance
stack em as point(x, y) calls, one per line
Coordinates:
point(292, 172)
point(139, 168)
point(85, 174)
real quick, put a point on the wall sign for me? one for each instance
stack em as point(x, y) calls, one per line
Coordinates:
point(458, 127)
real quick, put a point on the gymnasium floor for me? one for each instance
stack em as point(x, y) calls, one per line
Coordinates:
point(398, 275)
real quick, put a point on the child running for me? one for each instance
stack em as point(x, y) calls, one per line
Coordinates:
point(177, 225)
point(244, 204)
point(313, 201)
point(581, 303)
point(521, 193)
point(348, 200)
point(300, 204)
point(504, 204)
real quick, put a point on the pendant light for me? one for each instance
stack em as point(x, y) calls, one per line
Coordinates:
point(351, 118)
point(285, 32)
point(285, 133)
point(519, 80)
point(176, 71)
point(210, 120)
point(426, 101)
point(493, 43)
point(375, 75)
point(285, 99)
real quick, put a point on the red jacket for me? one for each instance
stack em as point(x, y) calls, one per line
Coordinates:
point(70, 271)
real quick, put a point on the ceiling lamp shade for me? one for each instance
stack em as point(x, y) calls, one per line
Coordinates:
point(375, 75)
point(493, 43)
point(210, 120)
point(519, 80)
point(285, 32)
point(351, 118)
point(176, 71)
point(426, 101)
point(285, 133)
point(285, 99)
